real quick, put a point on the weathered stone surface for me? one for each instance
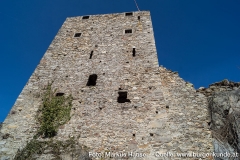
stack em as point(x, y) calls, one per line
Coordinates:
point(160, 111)
point(224, 107)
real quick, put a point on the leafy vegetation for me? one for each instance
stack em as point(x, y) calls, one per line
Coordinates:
point(54, 112)
point(35, 148)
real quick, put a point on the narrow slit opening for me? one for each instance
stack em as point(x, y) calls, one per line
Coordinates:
point(134, 52)
point(91, 54)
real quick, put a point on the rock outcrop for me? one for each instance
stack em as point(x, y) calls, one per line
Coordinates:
point(224, 106)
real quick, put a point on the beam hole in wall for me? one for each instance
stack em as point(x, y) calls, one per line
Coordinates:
point(127, 31)
point(128, 14)
point(100, 61)
point(92, 80)
point(156, 112)
point(133, 52)
point(127, 62)
point(85, 17)
point(134, 135)
point(77, 34)
point(135, 107)
point(13, 112)
point(103, 73)
point(151, 134)
point(91, 54)
point(59, 94)
point(122, 98)
point(100, 108)
point(167, 107)
point(209, 123)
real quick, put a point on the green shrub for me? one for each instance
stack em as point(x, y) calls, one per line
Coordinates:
point(54, 112)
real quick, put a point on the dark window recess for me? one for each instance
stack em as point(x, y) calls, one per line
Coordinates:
point(128, 31)
point(122, 98)
point(91, 54)
point(85, 17)
point(134, 135)
point(92, 80)
point(77, 34)
point(59, 94)
point(151, 134)
point(134, 52)
point(129, 14)
point(138, 17)
point(167, 107)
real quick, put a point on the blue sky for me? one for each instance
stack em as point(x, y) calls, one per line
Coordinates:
point(199, 39)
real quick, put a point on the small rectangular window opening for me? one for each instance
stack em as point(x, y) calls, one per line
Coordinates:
point(85, 17)
point(122, 98)
point(91, 54)
point(138, 17)
point(129, 14)
point(134, 52)
point(77, 34)
point(59, 94)
point(128, 31)
point(92, 80)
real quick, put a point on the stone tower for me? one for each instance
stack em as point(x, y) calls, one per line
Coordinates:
point(122, 100)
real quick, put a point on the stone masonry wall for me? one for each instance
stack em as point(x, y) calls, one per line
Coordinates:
point(165, 114)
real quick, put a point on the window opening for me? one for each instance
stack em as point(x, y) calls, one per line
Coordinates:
point(134, 52)
point(77, 34)
point(129, 14)
point(138, 17)
point(92, 80)
point(59, 94)
point(128, 31)
point(91, 54)
point(85, 17)
point(122, 98)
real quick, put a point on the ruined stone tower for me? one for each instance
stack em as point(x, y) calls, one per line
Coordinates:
point(122, 100)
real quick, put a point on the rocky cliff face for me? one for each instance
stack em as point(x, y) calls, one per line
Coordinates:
point(224, 107)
